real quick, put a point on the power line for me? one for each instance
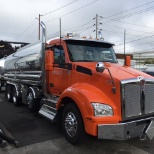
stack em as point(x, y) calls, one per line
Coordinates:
point(136, 40)
point(80, 27)
point(60, 7)
point(129, 9)
point(72, 11)
point(127, 28)
point(129, 23)
point(86, 29)
point(27, 28)
point(131, 14)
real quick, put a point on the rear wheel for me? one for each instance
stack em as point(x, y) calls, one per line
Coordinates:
point(9, 93)
point(32, 102)
point(72, 124)
point(16, 100)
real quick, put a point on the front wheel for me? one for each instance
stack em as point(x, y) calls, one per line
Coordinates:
point(72, 124)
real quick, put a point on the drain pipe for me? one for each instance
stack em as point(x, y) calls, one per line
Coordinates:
point(44, 79)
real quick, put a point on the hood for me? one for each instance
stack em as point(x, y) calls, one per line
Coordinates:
point(118, 71)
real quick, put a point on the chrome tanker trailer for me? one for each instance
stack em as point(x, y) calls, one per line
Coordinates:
point(22, 71)
point(2, 81)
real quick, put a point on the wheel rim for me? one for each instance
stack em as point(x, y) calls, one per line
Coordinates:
point(14, 99)
point(14, 96)
point(29, 99)
point(70, 124)
point(8, 96)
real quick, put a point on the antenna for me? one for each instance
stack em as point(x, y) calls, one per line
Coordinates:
point(60, 29)
point(124, 47)
point(60, 38)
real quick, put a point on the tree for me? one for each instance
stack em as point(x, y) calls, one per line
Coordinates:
point(149, 61)
point(5, 49)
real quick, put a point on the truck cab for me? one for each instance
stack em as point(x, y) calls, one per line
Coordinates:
point(79, 83)
point(95, 94)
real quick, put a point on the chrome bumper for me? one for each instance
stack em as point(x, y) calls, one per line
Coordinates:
point(128, 130)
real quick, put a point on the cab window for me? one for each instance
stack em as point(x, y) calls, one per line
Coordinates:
point(59, 56)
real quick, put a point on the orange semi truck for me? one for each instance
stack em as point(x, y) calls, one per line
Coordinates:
point(80, 83)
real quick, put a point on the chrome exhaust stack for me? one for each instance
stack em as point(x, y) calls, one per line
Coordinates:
point(42, 62)
point(45, 110)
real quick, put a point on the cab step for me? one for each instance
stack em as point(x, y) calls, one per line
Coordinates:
point(48, 109)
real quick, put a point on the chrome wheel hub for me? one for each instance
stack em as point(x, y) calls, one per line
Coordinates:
point(14, 99)
point(8, 96)
point(29, 99)
point(71, 124)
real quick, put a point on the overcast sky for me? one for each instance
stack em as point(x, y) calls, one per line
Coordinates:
point(19, 20)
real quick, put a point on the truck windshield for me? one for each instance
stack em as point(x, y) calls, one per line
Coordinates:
point(90, 51)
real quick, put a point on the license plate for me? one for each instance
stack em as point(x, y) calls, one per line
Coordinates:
point(150, 130)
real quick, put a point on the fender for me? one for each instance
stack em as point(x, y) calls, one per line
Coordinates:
point(36, 92)
point(83, 94)
point(17, 87)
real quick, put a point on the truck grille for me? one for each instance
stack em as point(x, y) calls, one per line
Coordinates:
point(149, 98)
point(137, 99)
point(132, 100)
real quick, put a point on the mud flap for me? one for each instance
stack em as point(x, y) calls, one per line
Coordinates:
point(150, 130)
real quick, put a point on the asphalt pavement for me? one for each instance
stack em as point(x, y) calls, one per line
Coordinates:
point(38, 135)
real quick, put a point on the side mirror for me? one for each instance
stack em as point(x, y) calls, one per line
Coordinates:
point(128, 61)
point(49, 60)
point(100, 67)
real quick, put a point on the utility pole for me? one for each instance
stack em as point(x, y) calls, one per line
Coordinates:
point(96, 25)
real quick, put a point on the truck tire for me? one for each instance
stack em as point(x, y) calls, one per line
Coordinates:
point(72, 124)
point(16, 100)
point(0, 87)
point(9, 93)
point(31, 101)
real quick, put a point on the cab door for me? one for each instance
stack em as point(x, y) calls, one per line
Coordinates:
point(60, 76)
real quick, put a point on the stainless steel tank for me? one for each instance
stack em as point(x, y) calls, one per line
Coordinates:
point(26, 58)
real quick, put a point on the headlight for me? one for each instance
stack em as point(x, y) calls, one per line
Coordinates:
point(102, 109)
